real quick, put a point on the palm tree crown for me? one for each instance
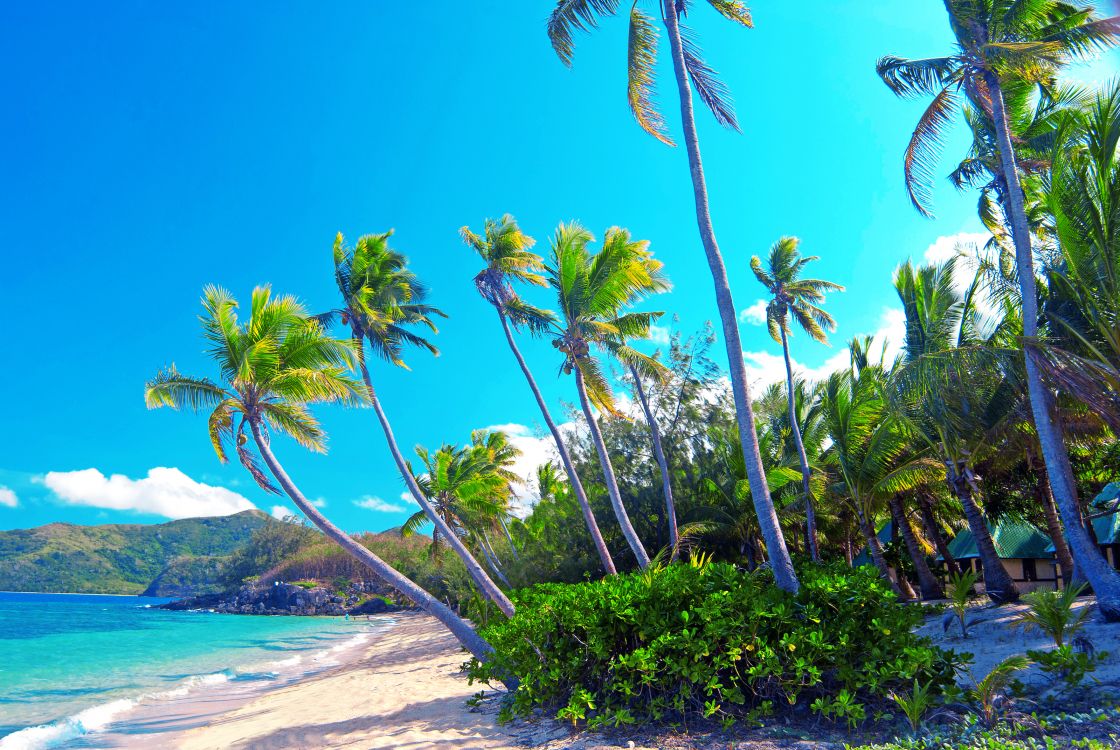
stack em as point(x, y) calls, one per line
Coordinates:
point(792, 296)
point(274, 366)
point(998, 41)
point(381, 297)
point(592, 290)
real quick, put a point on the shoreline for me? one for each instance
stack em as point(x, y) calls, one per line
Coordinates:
point(404, 691)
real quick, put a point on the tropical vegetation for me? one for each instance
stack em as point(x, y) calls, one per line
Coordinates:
point(694, 551)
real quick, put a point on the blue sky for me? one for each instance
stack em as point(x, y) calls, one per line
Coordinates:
point(151, 148)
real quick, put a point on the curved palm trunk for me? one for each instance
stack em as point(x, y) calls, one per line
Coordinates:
point(927, 581)
point(565, 457)
point(1087, 557)
point(806, 474)
point(492, 560)
point(933, 529)
point(784, 574)
point(608, 475)
point(875, 549)
point(477, 574)
point(1057, 533)
point(459, 627)
point(659, 454)
point(997, 583)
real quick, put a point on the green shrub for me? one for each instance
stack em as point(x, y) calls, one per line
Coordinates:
point(709, 640)
point(1052, 613)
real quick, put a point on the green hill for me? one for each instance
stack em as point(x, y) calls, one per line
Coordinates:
point(177, 557)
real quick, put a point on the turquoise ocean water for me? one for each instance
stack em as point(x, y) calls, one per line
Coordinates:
point(74, 667)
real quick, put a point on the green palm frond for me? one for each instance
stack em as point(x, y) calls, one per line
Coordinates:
point(733, 10)
point(711, 89)
point(170, 388)
point(641, 65)
point(570, 16)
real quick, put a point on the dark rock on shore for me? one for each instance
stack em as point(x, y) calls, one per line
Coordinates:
point(284, 599)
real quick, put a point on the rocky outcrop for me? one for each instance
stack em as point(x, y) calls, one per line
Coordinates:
point(285, 599)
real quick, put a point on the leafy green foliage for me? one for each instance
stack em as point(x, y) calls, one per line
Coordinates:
point(960, 591)
point(915, 704)
point(1052, 613)
point(706, 639)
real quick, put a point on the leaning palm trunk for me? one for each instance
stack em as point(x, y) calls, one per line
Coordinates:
point(565, 457)
point(477, 574)
point(1087, 557)
point(459, 627)
point(875, 549)
point(784, 574)
point(492, 560)
point(927, 581)
point(1057, 533)
point(810, 514)
point(933, 529)
point(659, 454)
point(608, 475)
point(997, 582)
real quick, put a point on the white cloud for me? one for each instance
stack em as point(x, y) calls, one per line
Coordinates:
point(165, 492)
point(279, 512)
point(373, 503)
point(766, 367)
point(755, 314)
point(946, 246)
point(659, 335)
point(319, 502)
point(8, 497)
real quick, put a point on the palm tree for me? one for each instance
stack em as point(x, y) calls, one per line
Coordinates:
point(591, 291)
point(1001, 41)
point(506, 250)
point(689, 67)
point(465, 490)
point(659, 456)
point(274, 367)
point(799, 299)
point(953, 394)
point(381, 298)
point(871, 454)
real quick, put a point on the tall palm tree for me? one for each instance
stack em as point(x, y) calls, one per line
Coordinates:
point(690, 72)
point(794, 297)
point(381, 298)
point(998, 41)
point(274, 366)
point(659, 456)
point(953, 394)
point(592, 290)
point(506, 250)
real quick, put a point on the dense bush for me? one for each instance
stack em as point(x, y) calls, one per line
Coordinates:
point(709, 639)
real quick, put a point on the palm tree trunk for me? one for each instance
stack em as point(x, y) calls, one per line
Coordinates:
point(659, 454)
point(784, 574)
point(509, 538)
point(1057, 534)
point(477, 574)
point(997, 583)
point(875, 549)
point(608, 475)
point(927, 581)
point(459, 627)
point(493, 561)
point(562, 449)
point(1090, 563)
point(795, 428)
point(933, 529)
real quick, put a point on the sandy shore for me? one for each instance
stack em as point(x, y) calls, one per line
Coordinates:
point(405, 692)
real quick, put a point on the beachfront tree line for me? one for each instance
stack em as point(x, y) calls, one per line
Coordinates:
point(1007, 370)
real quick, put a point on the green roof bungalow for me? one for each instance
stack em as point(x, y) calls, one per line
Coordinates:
point(1026, 552)
point(886, 535)
point(1106, 527)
